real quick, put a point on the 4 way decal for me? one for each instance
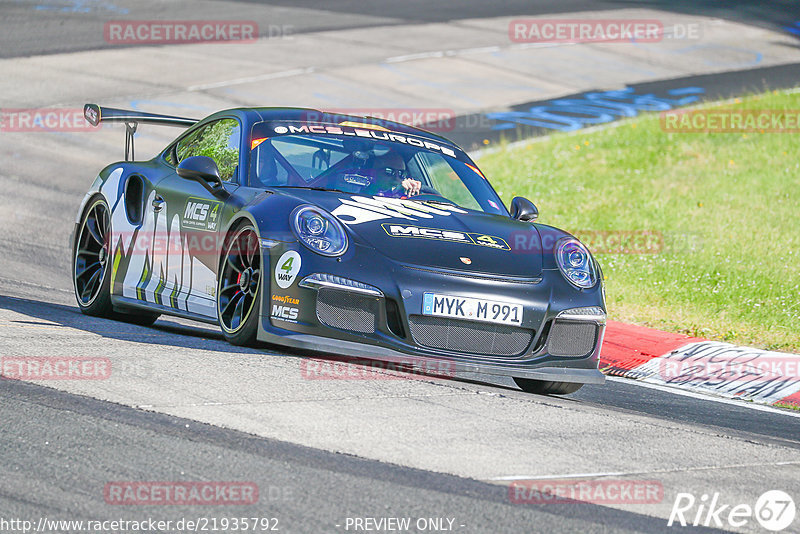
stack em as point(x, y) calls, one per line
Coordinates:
point(201, 214)
point(287, 268)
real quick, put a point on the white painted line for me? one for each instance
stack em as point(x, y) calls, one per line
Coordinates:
point(411, 57)
point(250, 79)
point(701, 396)
point(470, 51)
point(480, 50)
point(631, 473)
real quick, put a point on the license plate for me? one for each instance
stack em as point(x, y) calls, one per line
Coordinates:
point(489, 311)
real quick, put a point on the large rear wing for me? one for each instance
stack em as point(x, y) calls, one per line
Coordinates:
point(95, 114)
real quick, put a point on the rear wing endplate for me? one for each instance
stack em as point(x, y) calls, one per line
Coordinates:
point(95, 114)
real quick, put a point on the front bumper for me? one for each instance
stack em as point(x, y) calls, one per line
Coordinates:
point(392, 292)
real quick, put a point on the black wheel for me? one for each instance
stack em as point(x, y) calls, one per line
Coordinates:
point(546, 387)
point(91, 262)
point(238, 286)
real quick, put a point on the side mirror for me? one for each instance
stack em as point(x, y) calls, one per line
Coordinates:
point(203, 170)
point(524, 210)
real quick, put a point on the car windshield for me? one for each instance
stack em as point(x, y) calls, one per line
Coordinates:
point(374, 167)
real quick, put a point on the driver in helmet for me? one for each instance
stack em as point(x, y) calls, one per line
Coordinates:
point(391, 177)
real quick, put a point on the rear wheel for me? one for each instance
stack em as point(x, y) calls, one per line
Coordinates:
point(239, 285)
point(91, 264)
point(546, 387)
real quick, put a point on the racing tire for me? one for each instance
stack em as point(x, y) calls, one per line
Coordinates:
point(546, 387)
point(239, 286)
point(91, 261)
point(141, 319)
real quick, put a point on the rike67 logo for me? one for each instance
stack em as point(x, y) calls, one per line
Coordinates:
point(774, 510)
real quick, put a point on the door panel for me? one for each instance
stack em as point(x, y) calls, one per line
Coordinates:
point(182, 228)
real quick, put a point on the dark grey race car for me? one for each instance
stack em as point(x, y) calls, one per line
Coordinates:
point(350, 235)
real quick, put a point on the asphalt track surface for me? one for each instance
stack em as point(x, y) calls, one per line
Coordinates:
point(321, 453)
point(72, 25)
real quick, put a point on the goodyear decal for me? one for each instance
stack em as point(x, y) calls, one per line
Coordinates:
point(286, 299)
point(283, 308)
point(201, 214)
point(467, 238)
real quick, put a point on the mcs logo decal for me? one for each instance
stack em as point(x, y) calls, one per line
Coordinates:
point(285, 313)
point(201, 214)
point(468, 238)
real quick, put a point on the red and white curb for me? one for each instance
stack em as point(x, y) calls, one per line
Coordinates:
point(700, 365)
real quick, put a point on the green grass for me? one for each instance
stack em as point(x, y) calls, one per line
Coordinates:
point(787, 406)
point(727, 206)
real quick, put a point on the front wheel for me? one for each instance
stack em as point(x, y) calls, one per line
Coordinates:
point(546, 387)
point(238, 286)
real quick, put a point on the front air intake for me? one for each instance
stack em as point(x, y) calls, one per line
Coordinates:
point(480, 339)
point(572, 338)
point(347, 311)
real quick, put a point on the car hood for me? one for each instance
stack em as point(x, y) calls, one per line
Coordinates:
point(437, 235)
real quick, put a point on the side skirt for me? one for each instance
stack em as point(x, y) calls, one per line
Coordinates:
point(126, 304)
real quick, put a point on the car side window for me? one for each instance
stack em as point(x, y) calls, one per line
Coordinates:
point(219, 141)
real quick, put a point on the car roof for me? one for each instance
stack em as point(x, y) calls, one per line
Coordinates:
point(265, 114)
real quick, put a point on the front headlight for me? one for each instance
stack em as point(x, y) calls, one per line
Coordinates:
point(319, 231)
point(575, 263)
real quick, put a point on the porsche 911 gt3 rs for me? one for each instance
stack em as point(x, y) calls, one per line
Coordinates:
point(349, 235)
